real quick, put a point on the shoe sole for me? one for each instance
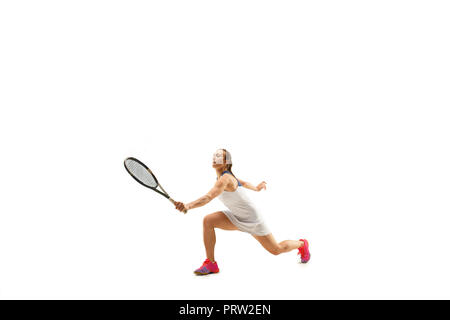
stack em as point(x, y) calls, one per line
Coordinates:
point(306, 260)
point(204, 274)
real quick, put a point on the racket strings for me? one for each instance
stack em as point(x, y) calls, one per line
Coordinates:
point(140, 173)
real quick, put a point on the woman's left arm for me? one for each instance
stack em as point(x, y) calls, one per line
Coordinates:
point(248, 185)
point(218, 188)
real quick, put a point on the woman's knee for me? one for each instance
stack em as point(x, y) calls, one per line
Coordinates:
point(280, 248)
point(276, 250)
point(208, 221)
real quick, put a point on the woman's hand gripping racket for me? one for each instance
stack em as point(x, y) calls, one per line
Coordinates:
point(142, 174)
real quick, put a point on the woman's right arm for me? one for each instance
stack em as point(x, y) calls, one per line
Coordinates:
point(218, 188)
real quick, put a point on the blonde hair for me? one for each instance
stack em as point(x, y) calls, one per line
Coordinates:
point(228, 160)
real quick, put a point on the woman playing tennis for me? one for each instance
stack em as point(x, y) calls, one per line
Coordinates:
point(241, 215)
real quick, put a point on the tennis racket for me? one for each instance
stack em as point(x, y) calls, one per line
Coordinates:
point(142, 174)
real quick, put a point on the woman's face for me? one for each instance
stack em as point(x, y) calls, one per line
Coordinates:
point(218, 159)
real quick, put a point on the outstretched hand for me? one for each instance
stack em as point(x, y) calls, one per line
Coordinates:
point(180, 206)
point(261, 186)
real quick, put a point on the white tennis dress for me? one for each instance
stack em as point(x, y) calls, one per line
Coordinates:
point(241, 211)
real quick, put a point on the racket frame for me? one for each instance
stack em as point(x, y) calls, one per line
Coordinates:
point(164, 193)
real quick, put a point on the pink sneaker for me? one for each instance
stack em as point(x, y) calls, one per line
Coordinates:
point(207, 267)
point(304, 251)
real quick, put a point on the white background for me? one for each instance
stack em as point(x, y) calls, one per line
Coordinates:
point(341, 106)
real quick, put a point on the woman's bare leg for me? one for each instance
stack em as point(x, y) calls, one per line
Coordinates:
point(214, 220)
point(269, 243)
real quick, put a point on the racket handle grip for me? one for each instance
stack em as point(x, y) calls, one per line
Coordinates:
point(173, 201)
